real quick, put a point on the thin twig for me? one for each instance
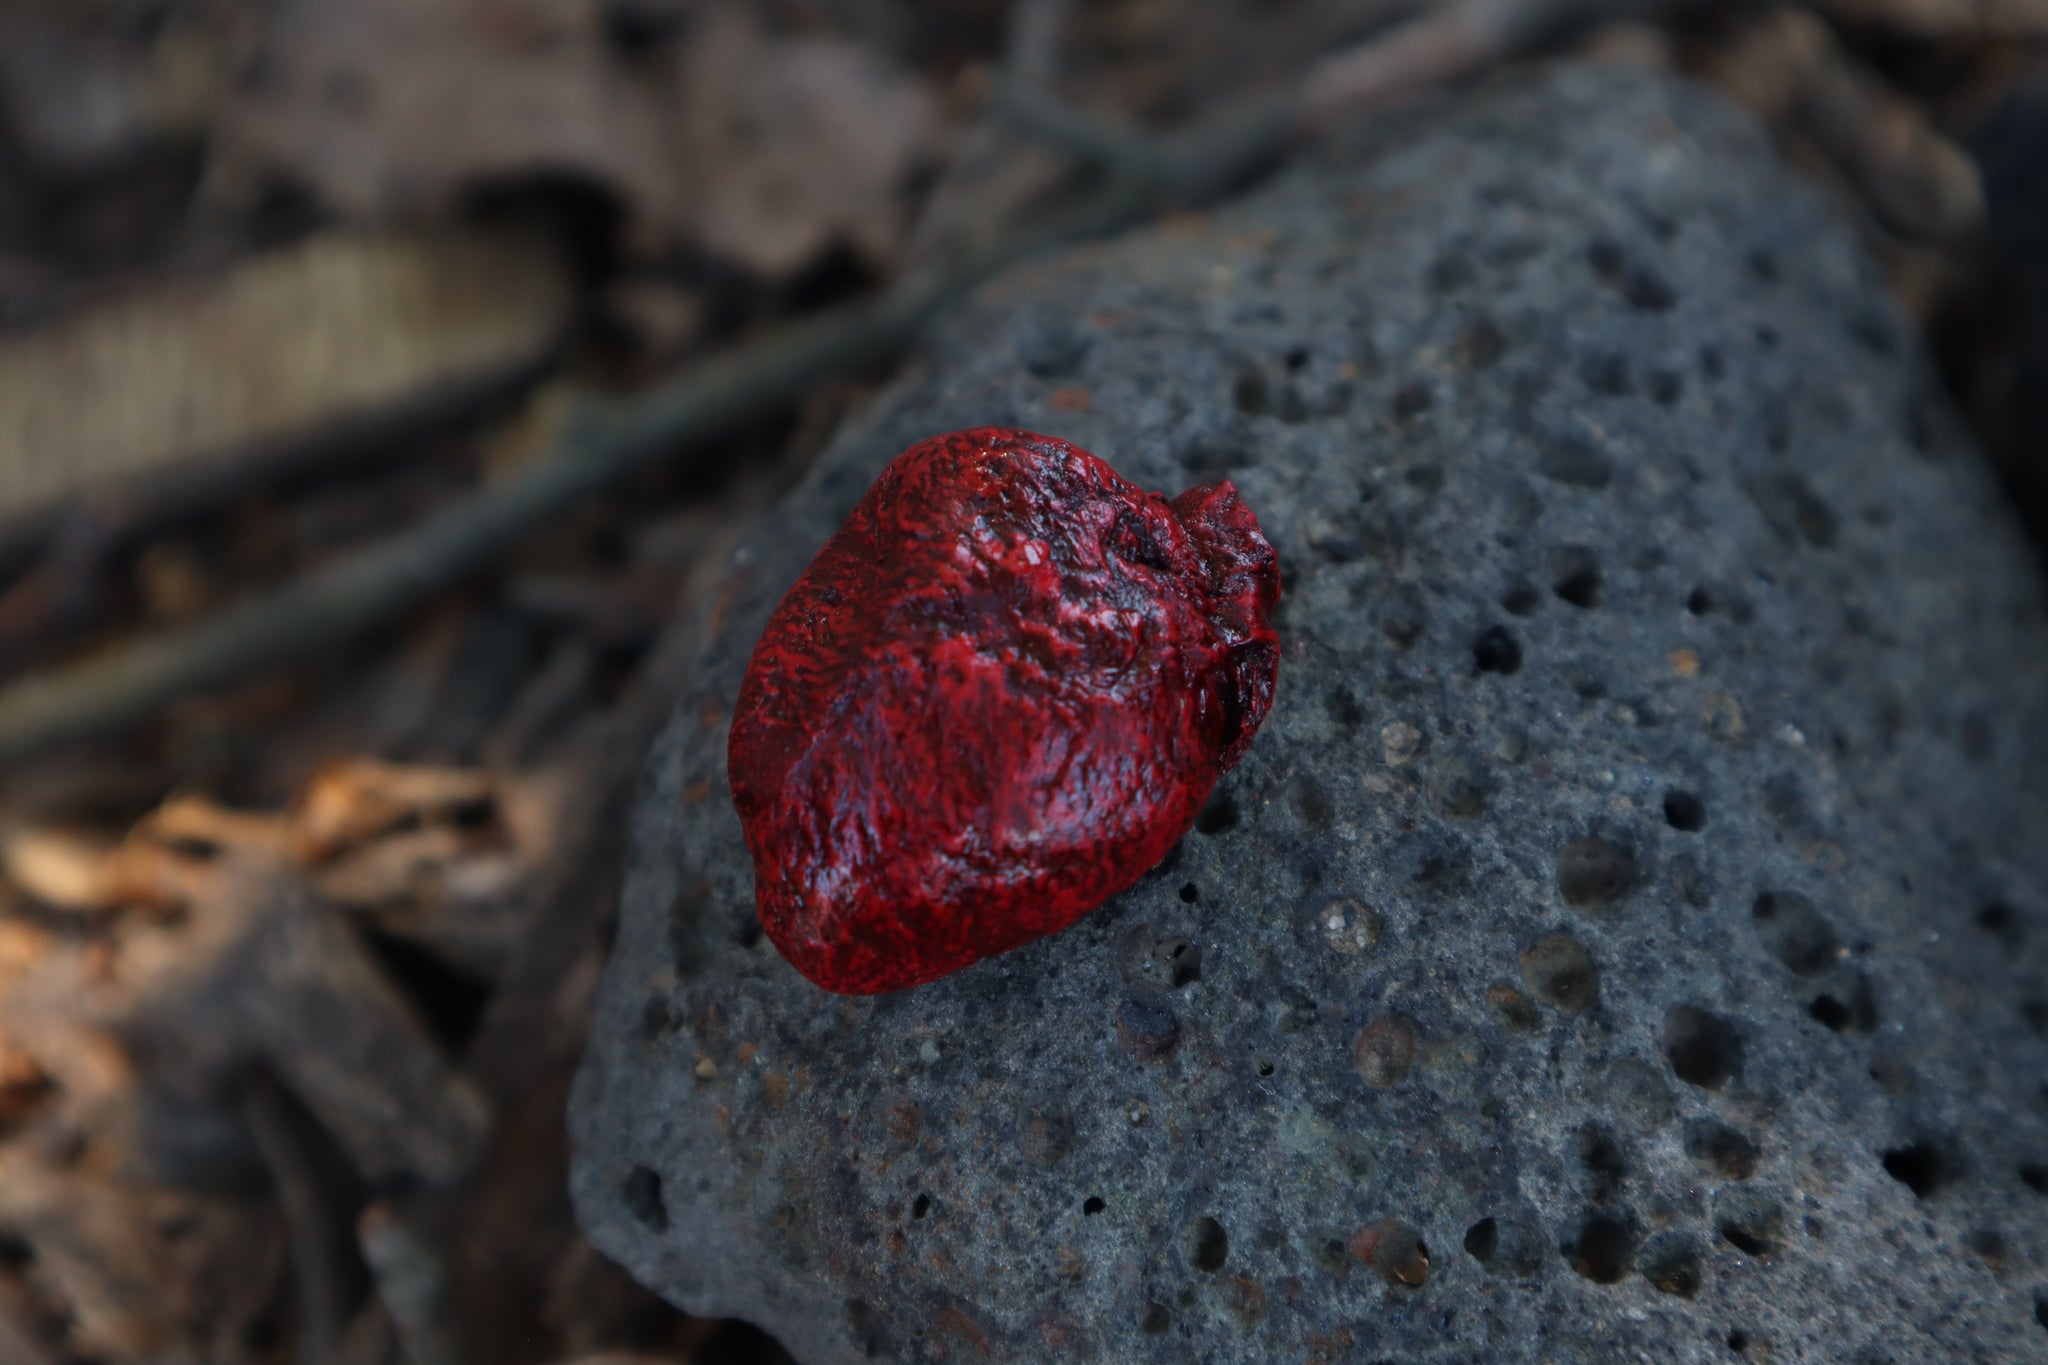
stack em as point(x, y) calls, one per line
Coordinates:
point(1440, 44)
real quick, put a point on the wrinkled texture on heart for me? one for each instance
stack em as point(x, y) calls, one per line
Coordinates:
point(995, 699)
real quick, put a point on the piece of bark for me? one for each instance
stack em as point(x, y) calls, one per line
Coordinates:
point(175, 391)
point(264, 971)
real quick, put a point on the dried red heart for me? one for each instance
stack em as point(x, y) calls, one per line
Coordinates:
point(997, 697)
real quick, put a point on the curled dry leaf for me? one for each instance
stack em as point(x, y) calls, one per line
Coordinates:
point(439, 856)
point(203, 824)
point(359, 799)
point(802, 142)
point(70, 870)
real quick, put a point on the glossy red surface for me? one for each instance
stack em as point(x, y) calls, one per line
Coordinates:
point(999, 694)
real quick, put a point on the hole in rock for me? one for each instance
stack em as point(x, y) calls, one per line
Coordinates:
point(1684, 811)
point(1726, 1151)
point(1092, 1205)
point(1206, 1245)
point(1482, 1239)
point(1604, 1161)
point(1248, 393)
point(1794, 932)
point(1190, 893)
point(2002, 922)
point(1496, 651)
point(1988, 1245)
point(1424, 478)
point(1557, 968)
point(1745, 1241)
point(1516, 1010)
point(1219, 816)
point(1748, 1221)
point(1521, 600)
point(1672, 1266)
point(1412, 400)
point(1703, 1048)
point(1926, 1167)
point(1576, 576)
point(1148, 1029)
point(1858, 1013)
point(1830, 1012)
point(1602, 1248)
point(1594, 873)
point(1394, 1250)
point(920, 1206)
point(642, 1195)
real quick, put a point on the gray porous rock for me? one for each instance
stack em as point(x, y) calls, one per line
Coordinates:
point(1623, 942)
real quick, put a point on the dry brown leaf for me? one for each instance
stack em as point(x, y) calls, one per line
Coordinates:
point(70, 870)
point(457, 889)
point(762, 149)
point(408, 880)
point(393, 106)
point(200, 820)
point(361, 798)
point(799, 142)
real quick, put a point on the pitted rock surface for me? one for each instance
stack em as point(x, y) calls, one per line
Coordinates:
point(1624, 940)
